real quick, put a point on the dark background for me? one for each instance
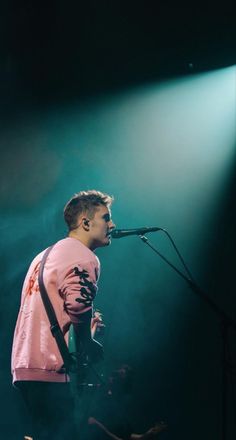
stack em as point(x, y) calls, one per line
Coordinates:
point(61, 55)
point(64, 49)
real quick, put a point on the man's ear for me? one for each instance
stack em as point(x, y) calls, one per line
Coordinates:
point(86, 223)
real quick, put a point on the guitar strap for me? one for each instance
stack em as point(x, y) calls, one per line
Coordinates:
point(68, 360)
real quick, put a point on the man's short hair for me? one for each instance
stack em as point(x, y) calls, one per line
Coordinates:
point(84, 202)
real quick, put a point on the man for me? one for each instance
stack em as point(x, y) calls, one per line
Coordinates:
point(70, 277)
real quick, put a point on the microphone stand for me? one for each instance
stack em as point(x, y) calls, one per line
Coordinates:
point(226, 323)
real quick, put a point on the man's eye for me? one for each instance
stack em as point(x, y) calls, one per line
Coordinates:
point(107, 218)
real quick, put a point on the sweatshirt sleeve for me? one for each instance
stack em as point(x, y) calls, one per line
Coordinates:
point(79, 289)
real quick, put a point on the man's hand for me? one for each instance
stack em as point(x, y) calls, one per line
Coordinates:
point(97, 323)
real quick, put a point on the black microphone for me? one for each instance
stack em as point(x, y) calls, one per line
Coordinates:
point(119, 233)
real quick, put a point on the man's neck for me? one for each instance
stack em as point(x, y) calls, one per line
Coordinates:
point(83, 239)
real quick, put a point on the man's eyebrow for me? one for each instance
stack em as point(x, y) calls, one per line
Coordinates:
point(106, 217)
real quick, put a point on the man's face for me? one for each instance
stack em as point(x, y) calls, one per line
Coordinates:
point(100, 227)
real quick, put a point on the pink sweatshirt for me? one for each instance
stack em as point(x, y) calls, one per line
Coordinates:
point(35, 355)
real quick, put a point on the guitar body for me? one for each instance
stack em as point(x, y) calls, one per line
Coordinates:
point(79, 376)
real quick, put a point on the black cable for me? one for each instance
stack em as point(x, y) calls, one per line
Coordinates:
point(179, 254)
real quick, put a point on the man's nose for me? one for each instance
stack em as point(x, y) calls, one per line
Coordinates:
point(112, 225)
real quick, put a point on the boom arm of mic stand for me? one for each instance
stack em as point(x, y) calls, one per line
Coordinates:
point(226, 322)
point(193, 286)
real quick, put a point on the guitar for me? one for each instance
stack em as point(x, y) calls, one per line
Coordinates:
point(96, 323)
point(80, 373)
